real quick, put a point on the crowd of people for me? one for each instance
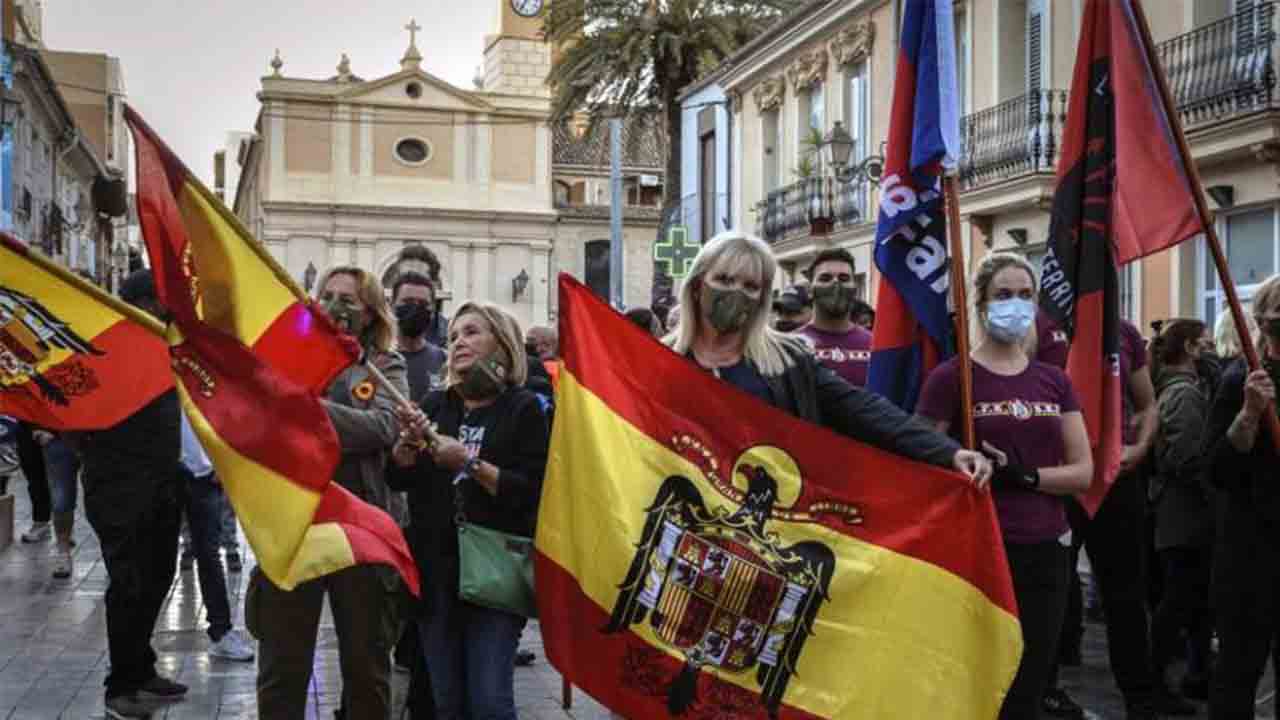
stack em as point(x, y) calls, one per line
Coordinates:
point(1182, 552)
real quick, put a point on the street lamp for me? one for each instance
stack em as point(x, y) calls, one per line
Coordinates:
point(839, 149)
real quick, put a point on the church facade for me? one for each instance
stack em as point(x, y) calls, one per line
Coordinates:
point(348, 171)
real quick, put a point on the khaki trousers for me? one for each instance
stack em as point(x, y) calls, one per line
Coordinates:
point(365, 618)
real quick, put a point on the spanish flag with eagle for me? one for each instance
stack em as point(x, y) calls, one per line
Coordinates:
point(72, 357)
point(700, 554)
point(251, 356)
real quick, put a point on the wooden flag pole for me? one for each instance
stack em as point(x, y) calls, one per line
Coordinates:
point(1206, 218)
point(960, 299)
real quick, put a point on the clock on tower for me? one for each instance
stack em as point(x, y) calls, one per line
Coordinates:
point(516, 58)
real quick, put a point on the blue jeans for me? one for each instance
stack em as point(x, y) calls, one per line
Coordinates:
point(470, 654)
point(62, 465)
point(201, 500)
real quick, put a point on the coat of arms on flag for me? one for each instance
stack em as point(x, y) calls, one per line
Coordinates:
point(29, 332)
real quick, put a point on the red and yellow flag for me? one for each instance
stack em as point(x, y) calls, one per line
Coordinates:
point(703, 555)
point(72, 357)
point(251, 356)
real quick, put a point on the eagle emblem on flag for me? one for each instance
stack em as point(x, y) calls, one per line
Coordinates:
point(29, 333)
point(719, 587)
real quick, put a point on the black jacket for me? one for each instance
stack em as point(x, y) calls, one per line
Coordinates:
point(1184, 507)
point(1249, 479)
point(814, 392)
point(516, 444)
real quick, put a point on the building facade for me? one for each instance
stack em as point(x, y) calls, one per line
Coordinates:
point(351, 171)
point(834, 61)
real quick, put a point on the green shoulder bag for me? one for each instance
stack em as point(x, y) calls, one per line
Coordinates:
point(495, 569)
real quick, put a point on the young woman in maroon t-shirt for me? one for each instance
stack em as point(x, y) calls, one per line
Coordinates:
point(1027, 419)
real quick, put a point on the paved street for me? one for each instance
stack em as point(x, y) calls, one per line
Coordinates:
point(53, 649)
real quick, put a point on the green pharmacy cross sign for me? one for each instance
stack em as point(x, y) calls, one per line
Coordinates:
point(676, 253)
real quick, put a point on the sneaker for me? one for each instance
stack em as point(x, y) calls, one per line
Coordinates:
point(188, 561)
point(38, 532)
point(124, 707)
point(1057, 703)
point(62, 564)
point(234, 563)
point(160, 688)
point(232, 646)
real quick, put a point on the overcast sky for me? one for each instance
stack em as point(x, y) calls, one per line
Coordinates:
point(193, 68)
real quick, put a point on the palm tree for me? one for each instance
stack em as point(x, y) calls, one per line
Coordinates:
point(636, 55)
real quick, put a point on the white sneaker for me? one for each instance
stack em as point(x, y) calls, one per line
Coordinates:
point(39, 531)
point(62, 564)
point(232, 646)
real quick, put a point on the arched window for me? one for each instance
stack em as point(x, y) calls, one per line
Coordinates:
point(597, 267)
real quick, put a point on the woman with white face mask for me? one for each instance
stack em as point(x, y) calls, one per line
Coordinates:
point(1027, 419)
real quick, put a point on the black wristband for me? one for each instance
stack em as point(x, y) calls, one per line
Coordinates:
point(1015, 477)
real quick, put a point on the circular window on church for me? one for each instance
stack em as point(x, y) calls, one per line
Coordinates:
point(413, 90)
point(413, 151)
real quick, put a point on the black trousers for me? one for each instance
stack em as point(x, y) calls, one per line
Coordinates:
point(1115, 541)
point(135, 515)
point(31, 458)
point(1184, 604)
point(1246, 601)
point(1040, 586)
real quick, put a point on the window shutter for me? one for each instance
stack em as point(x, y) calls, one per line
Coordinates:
point(1035, 45)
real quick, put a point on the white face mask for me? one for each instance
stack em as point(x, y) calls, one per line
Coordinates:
point(1009, 321)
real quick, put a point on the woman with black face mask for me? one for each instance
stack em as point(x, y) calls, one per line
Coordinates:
point(487, 456)
point(1246, 560)
point(724, 330)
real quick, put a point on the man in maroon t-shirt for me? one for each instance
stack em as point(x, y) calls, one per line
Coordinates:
point(838, 342)
point(1114, 539)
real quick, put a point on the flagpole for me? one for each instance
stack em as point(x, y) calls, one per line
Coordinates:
point(959, 298)
point(1206, 218)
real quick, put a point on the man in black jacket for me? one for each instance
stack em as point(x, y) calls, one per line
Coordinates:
point(130, 499)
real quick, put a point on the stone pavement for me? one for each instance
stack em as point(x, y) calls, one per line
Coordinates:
point(53, 649)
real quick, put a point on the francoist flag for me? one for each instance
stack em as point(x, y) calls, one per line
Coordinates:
point(72, 357)
point(703, 555)
point(251, 357)
point(1123, 192)
point(913, 330)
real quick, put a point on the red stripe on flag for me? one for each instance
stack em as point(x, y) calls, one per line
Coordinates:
point(373, 536)
point(1096, 380)
point(621, 670)
point(302, 344)
point(916, 513)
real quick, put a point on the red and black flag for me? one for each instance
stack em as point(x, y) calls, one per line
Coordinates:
point(1124, 192)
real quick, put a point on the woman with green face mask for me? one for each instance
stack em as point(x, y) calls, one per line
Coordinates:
point(725, 303)
point(486, 460)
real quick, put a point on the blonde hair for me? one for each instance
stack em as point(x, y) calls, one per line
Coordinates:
point(1225, 338)
point(1266, 300)
point(769, 350)
point(380, 333)
point(990, 266)
point(506, 330)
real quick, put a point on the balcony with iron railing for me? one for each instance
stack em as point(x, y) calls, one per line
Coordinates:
point(811, 206)
point(1216, 72)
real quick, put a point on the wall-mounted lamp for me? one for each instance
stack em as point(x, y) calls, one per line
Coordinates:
point(309, 277)
point(519, 284)
point(1224, 195)
point(1018, 235)
point(10, 108)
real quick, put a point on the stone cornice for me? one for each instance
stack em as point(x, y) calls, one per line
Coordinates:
point(768, 94)
point(808, 69)
point(403, 211)
point(853, 43)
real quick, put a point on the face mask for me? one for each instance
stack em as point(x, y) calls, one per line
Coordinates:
point(1010, 320)
point(344, 315)
point(414, 318)
point(484, 379)
point(787, 326)
point(727, 310)
point(1270, 327)
point(833, 300)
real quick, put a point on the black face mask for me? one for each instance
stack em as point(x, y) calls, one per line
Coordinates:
point(833, 300)
point(414, 319)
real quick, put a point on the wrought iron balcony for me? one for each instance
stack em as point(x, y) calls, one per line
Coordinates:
point(1224, 68)
point(1018, 137)
point(812, 205)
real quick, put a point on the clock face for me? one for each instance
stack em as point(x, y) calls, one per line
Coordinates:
point(526, 8)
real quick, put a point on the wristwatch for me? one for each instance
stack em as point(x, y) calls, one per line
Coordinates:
point(471, 467)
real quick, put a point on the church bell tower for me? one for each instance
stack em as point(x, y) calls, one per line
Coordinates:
point(516, 58)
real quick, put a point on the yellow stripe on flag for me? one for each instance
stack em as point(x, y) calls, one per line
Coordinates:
point(898, 637)
point(325, 549)
point(240, 294)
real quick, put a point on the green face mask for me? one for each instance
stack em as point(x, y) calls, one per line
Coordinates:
point(833, 300)
point(727, 310)
point(484, 379)
point(345, 315)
